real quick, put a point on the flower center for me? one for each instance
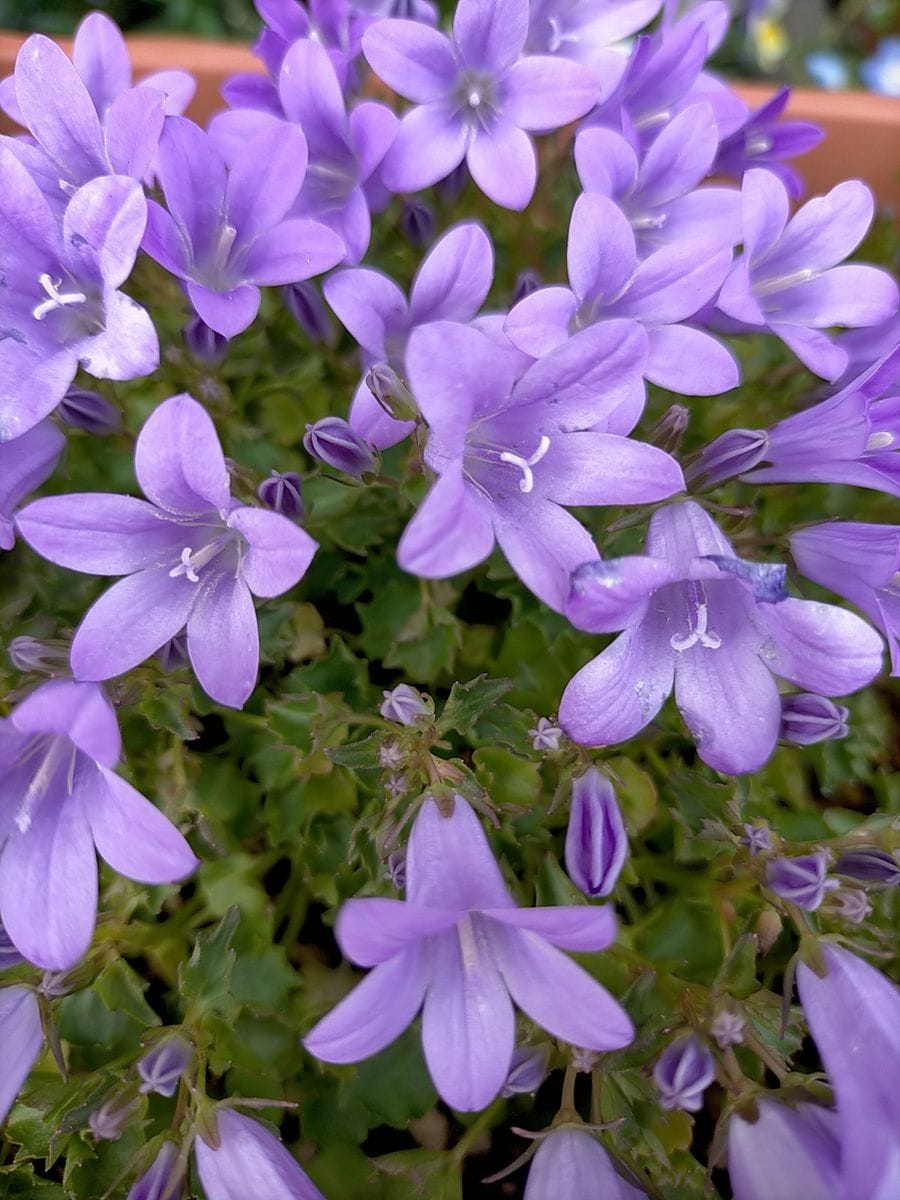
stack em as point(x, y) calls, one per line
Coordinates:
point(698, 617)
point(193, 561)
point(55, 298)
point(475, 97)
point(491, 454)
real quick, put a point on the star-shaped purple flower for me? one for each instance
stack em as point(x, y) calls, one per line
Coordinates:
point(475, 96)
point(714, 628)
point(766, 141)
point(460, 945)
point(60, 797)
point(193, 558)
point(25, 463)
point(226, 232)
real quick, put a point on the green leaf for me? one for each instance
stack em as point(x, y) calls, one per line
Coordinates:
point(361, 755)
point(738, 974)
point(420, 1175)
point(468, 701)
point(206, 977)
point(122, 990)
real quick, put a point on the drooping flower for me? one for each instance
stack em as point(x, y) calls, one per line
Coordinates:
point(764, 140)
point(25, 463)
point(460, 945)
point(163, 1065)
point(60, 797)
point(789, 278)
point(572, 1165)
point(683, 1073)
point(61, 306)
point(861, 563)
point(193, 558)
point(451, 284)
point(607, 281)
point(509, 453)
point(476, 98)
point(807, 719)
point(802, 880)
point(854, 1016)
point(714, 628)
point(785, 1153)
point(226, 232)
point(21, 1038)
point(596, 841)
point(249, 1161)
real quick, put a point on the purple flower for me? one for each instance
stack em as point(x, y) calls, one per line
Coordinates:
point(404, 705)
point(226, 232)
point(61, 307)
point(9, 955)
point(788, 279)
point(683, 1073)
point(249, 1161)
point(766, 141)
point(803, 881)
point(607, 281)
point(89, 411)
point(727, 1028)
point(21, 1039)
point(861, 563)
point(785, 1153)
point(659, 191)
point(163, 1065)
point(62, 798)
point(588, 31)
point(870, 865)
point(475, 97)
point(25, 463)
point(545, 735)
point(714, 628)
point(450, 285)
point(192, 556)
point(572, 1165)
point(460, 945)
point(596, 841)
point(854, 1016)
point(757, 839)
point(509, 453)
point(47, 658)
point(160, 1181)
point(527, 1070)
point(730, 454)
point(107, 1121)
point(850, 904)
point(282, 493)
point(334, 442)
point(417, 223)
point(807, 719)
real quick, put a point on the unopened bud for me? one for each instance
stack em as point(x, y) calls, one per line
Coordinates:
point(850, 904)
point(683, 1073)
point(162, 1180)
point(404, 705)
point(670, 428)
point(596, 842)
point(733, 453)
point(89, 411)
point(869, 865)
point(803, 881)
point(107, 1122)
point(282, 493)
point(173, 654)
point(526, 283)
point(46, 658)
point(9, 955)
point(163, 1065)
point(450, 188)
point(727, 1028)
point(204, 343)
point(305, 304)
point(768, 929)
point(417, 223)
point(807, 719)
point(334, 442)
point(757, 839)
point(396, 869)
point(391, 392)
point(527, 1070)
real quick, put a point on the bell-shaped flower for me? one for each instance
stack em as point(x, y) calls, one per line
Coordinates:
point(764, 140)
point(807, 719)
point(163, 1065)
point(853, 1014)
point(460, 946)
point(607, 281)
point(451, 284)
point(25, 463)
point(21, 1038)
point(714, 628)
point(596, 841)
point(506, 456)
point(788, 279)
point(61, 798)
point(861, 563)
point(802, 880)
point(61, 307)
point(226, 232)
point(477, 98)
point(683, 1073)
point(249, 1161)
point(193, 557)
point(785, 1153)
point(570, 1164)
point(659, 190)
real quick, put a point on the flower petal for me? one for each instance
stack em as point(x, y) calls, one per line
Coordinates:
point(133, 127)
point(192, 173)
point(27, 461)
point(278, 552)
point(101, 59)
point(602, 468)
point(249, 1161)
point(503, 164)
point(690, 360)
point(540, 322)
point(223, 640)
point(454, 279)
point(416, 61)
point(451, 531)
point(264, 180)
point(490, 34)
point(228, 313)
point(430, 142)
point(568, 926)
point(820, 647)
point(179, 461)
point(373, 929)
point(543, 93)
point(20, 1024)
point(449, 863)
point(543, 544)
point(80, 712)
point(127, 347)
point(601, 253)
point(369, 305)
point(103, 226)
point(612, 594)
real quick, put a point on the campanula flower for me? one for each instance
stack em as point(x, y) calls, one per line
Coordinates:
point(570, 1164)
point(163, 1065)
point(249, 1161)
point(784, 1153)
point(870, 865)
point(802, 880)
point(683, 1073)
point(160, 1182)
point(764, 140)
point(25, 463)
point(333, 441)
point(596, 841)
point(404, 705)
point(807, 719)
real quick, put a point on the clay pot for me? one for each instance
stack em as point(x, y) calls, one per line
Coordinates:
point(863, 130)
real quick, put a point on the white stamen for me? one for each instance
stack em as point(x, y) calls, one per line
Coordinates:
point(56, 298)
point(698, 618)
point(526, 483)
point(759, 144)
point(193, 560)
point(474, 98)
point(767, 286)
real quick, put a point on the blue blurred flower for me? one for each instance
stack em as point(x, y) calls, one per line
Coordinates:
point(881, 72)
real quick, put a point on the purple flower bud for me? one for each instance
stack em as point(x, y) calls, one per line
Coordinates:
point(527, 1071)
point(397, 786)
point(417, 223)
point(47, 658)
point(683, 1073)
point(305, 304)
point(757, 839)
point(727, 1028)
point(404, 705)
point(450, 188)
point(850, 904)
point(391, 392)
point(249, 1162)
point(108, 1121)
point(869, 865)
point(807, 719)
point(596, 842)
point(173, 655)
point(89, 411)
point(161, 1181)
point(526, 282)
point(801, 880)
point(391, 756)
point(335, 443)
point(163, 1065)
point(545, 735)
point(396, 869)
point(281, 493)
point(204, 343)
point(670, 428)
point(733, 453)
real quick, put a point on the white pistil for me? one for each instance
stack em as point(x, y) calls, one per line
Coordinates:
point(880, 441)
point(780, 282)
point(55, 298)
point(193, 560)
point(698, 619)
point(474, 98)
point(526, 483)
